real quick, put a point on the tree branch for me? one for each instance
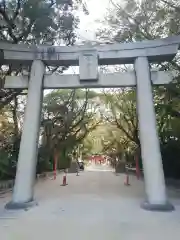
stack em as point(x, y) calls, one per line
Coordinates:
point(18, 6)
point(170, 4)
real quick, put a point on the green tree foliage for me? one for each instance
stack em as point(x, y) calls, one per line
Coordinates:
point(9, 142)
point(30, 22)
point(71, 119)
point(122, 104)
point(68, 116)
point(34, 22)
point(132, 21)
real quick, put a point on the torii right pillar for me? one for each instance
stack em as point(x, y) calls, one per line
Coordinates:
point(150, 147)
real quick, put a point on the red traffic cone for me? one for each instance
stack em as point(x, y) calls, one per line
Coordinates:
point(126, 182)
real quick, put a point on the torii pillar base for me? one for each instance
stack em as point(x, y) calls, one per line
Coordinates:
point(18, 206)
point(167, 207)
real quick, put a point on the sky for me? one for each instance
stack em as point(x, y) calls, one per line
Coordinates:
point(88, 24)
point(97, 10)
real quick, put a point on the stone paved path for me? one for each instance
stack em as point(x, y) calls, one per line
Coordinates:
point(96, 205)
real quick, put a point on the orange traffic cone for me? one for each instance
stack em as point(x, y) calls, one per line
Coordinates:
point(126, 182)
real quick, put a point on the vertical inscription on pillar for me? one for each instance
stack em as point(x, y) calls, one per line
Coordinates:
point(88, 66)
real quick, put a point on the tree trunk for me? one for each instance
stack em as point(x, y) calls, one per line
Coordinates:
point(56, 155)
point(16, 130)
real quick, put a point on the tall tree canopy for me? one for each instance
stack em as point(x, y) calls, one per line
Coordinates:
point(103, 123)
point(130, 21)
point(49, 22)
point(35, 22)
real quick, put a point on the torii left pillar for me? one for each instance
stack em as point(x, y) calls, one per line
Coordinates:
point(23, 192)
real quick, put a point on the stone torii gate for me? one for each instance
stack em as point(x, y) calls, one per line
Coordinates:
point(88, 58)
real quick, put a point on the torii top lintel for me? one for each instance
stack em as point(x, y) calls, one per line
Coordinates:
point(108, 54)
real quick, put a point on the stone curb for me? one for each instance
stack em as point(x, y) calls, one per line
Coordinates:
point(6, 184)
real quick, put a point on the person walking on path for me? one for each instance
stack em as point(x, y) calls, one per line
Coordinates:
point(77, 168)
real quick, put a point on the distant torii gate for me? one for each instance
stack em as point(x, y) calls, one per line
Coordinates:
point(88, 57)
